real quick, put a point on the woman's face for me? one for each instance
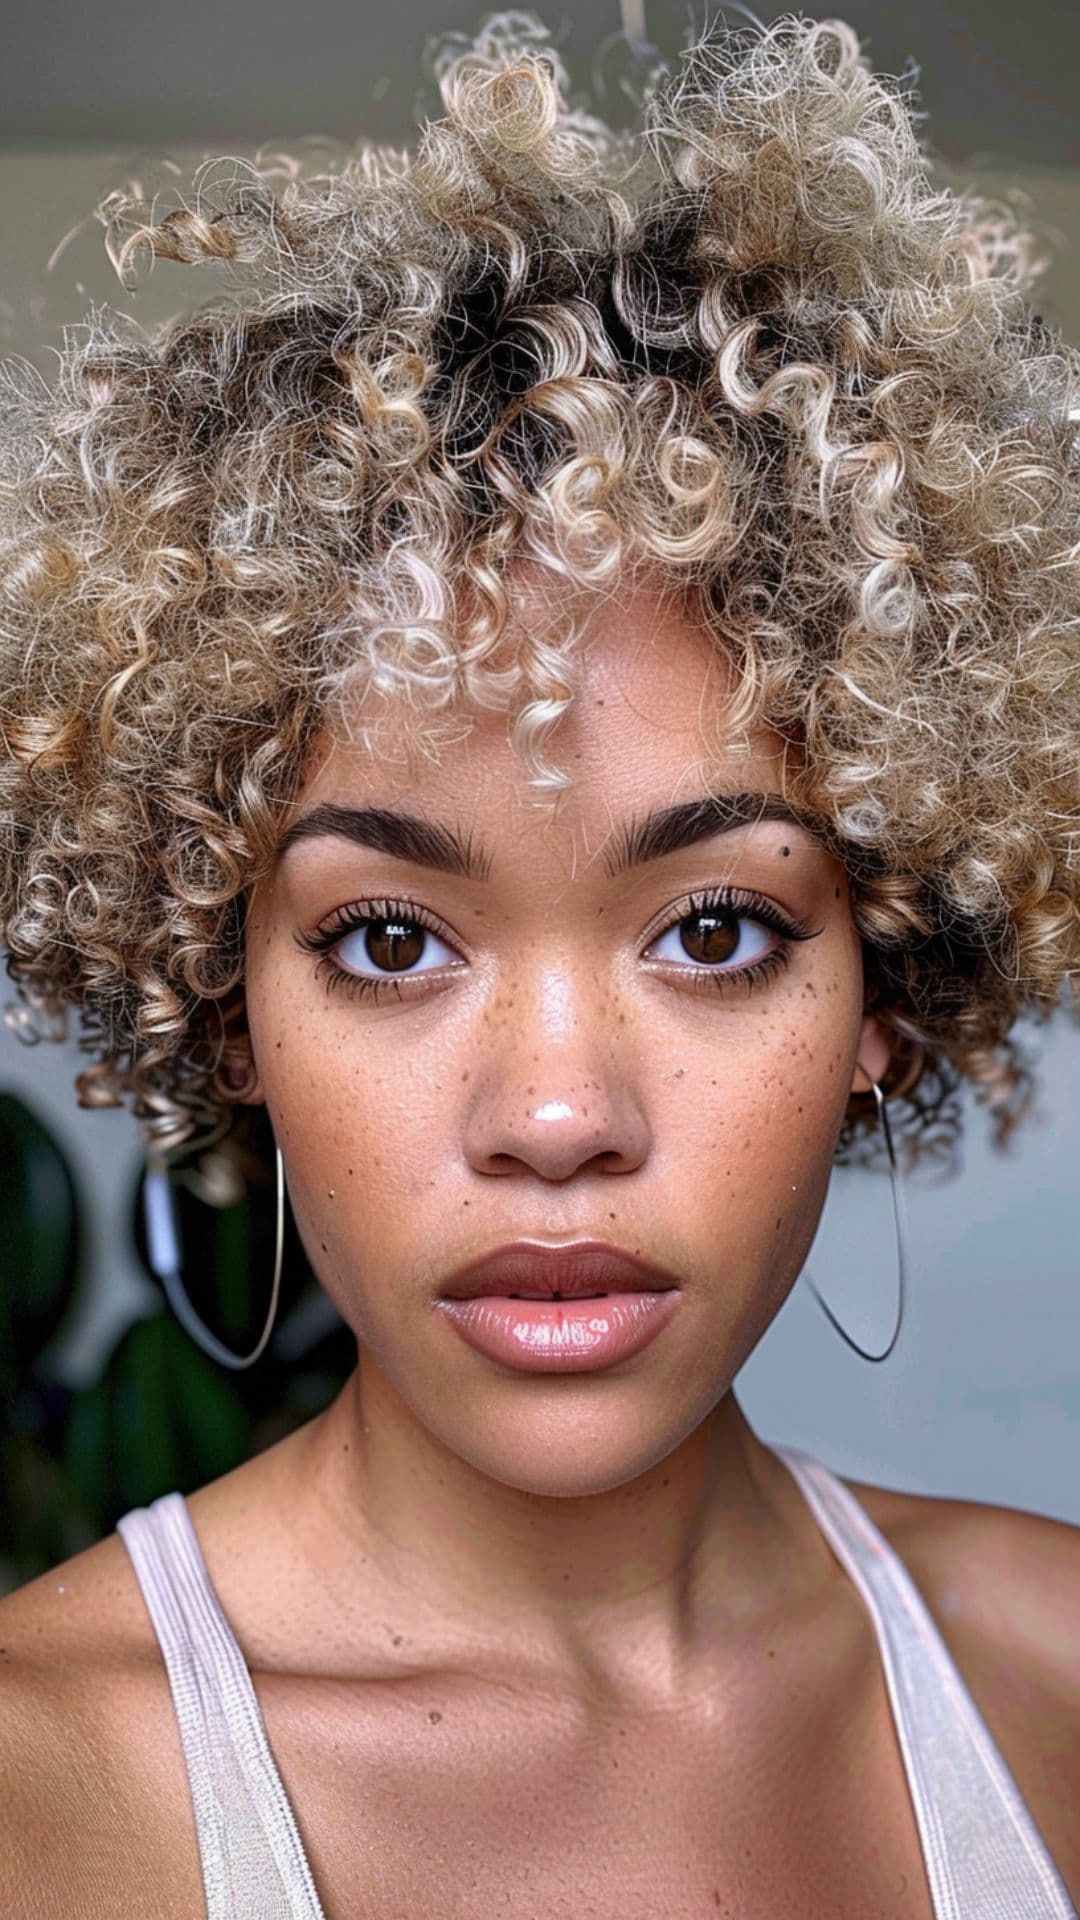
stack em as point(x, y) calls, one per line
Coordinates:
point(562, 1044)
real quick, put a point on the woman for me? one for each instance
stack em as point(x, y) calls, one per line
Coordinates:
point(568, 694)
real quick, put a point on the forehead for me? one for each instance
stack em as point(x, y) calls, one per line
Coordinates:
point(652, 720)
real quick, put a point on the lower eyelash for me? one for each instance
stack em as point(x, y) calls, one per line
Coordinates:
point(356, 985)
point(749, 977)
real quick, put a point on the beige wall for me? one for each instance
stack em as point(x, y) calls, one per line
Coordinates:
point(1052, 201)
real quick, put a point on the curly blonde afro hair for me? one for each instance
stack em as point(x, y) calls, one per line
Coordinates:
point(746, 347)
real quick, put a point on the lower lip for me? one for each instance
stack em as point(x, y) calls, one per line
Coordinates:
point(561, 1336)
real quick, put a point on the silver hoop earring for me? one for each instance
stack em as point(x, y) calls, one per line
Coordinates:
point(901, 1244)
point(163, 1252)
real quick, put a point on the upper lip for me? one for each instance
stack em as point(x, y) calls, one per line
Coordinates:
point(574, 1269)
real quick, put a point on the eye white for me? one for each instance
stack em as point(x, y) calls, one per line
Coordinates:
point(739, 958)
point(351, 953)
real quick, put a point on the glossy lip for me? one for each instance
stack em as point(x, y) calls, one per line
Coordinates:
point(572, 1270)
point(561, 1336)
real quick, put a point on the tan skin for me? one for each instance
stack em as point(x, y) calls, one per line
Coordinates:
point(569, 1643)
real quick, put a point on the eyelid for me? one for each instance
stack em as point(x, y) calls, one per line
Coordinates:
point(336, 926)
point(743, 902)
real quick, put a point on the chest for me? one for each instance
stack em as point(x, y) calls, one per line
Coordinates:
point(662, 1839)
point(451, 1808)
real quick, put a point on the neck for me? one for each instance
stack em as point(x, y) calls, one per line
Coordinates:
point(638, 1588)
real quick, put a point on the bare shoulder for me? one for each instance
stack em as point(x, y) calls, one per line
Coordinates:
point(998, 1571)
point(88, 1749)
point(1003, 1588)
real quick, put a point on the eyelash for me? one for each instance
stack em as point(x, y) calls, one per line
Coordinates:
point(735, 900)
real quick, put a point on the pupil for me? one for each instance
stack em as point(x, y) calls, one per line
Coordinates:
point(717, 938)
point(393, 943)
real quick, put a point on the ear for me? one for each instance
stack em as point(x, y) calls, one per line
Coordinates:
point(238, 1073)
point(874, 1054)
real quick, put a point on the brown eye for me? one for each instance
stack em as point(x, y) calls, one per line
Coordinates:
point(716, 937)
point(709, 937)
point(394, 944)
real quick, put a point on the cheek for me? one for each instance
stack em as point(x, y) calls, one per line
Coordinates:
point(754, 1129)
point(363, 1134)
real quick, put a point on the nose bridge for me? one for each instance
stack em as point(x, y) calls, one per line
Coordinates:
point(552, 1088)
point(558, 992)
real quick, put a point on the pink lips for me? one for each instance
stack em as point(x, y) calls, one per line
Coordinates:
point(572, 1333)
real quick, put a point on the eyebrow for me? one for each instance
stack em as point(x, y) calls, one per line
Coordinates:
point(426, 843)
point(402, 835)
point(668, 829)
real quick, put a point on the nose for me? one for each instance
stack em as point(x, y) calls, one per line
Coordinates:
point(553, 1097)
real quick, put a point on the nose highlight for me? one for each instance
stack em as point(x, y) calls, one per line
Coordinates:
point(556, 1137)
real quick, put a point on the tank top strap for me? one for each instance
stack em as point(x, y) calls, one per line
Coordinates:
point(253, 1861)
point(985, 1858)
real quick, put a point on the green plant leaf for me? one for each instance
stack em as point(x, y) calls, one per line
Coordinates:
point(40, 1237)
point(162, 1417)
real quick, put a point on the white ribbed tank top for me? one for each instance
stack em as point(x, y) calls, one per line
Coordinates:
point(985, 1858)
